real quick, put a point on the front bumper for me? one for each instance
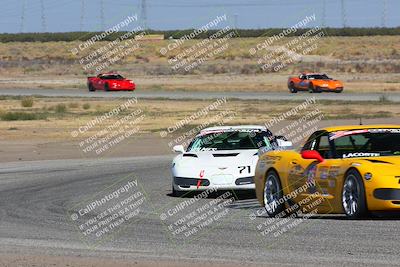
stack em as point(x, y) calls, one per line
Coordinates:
point(328, 89)
point(123, 87)
point(234, 183)
point(384, 199)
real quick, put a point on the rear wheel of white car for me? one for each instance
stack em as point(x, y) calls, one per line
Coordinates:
point(273, 195)
point(353, 196)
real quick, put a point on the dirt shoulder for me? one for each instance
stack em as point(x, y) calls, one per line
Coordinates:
point(28, 260)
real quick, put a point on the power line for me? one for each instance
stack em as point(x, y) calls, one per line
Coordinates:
point(22, 26)
point(143, 14)
point(82, 15)
point(43, 16)
point(344, 16)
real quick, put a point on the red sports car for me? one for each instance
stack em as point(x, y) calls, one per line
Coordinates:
point(110, 82)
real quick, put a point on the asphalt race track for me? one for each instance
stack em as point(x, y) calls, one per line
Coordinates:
point(202, 95)
point(37, 199)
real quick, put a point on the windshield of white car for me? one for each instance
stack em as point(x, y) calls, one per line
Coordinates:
point(366, 143)
point(231, 140)
point(318, 77)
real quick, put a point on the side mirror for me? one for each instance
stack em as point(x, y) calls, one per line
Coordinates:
point(312, 154)
point(179, 149)
point(282, 142)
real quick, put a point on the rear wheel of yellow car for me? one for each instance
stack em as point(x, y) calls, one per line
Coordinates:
point(273, 195)
point(353, 196)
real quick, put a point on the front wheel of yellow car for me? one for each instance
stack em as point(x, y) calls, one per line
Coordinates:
point(353, 196)
point(273, 195)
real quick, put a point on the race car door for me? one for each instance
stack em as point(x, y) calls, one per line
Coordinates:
point(324, 175)
point(303, 84)
point(310, 180)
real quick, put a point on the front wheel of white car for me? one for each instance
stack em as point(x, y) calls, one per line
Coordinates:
point(176, 193)
point(273, 195)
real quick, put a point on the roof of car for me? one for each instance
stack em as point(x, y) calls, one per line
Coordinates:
point(237, 127)
point(312, 73)
point(360, 127)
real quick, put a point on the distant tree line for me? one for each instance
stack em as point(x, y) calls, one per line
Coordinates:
point(176, 34)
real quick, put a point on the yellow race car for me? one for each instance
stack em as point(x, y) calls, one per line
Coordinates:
point(344, 169)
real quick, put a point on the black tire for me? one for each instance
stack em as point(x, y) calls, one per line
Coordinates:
point(353, 196)
point(292, 89)
point(91, 88)
point(106, 87)
point(311, 88)
point(273, 194)
point(176, 193)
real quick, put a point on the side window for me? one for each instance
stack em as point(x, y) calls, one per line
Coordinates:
point(319, 141)
point(312, 141)
point(324, 147)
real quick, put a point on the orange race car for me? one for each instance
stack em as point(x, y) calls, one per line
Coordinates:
point(314, 83)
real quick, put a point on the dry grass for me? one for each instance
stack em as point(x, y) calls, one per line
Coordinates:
point(161, 114)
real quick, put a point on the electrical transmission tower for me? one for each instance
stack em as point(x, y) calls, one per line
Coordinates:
point(384, 14)
point(82, 15)
point(143, 14)
point(235, 21)
point(102, 23)
point(344, 16)
point(22, 26)
point(323, 23)
point(44, 27)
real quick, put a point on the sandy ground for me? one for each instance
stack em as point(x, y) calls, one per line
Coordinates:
point(42, 149)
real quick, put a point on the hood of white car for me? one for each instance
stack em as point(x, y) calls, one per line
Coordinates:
point(219, 158)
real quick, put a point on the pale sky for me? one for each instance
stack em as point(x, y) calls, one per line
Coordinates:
point(66, 15)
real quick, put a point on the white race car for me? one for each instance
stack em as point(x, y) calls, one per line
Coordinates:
point(222, 158)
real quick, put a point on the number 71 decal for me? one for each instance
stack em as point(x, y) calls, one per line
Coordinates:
point(243, 168)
